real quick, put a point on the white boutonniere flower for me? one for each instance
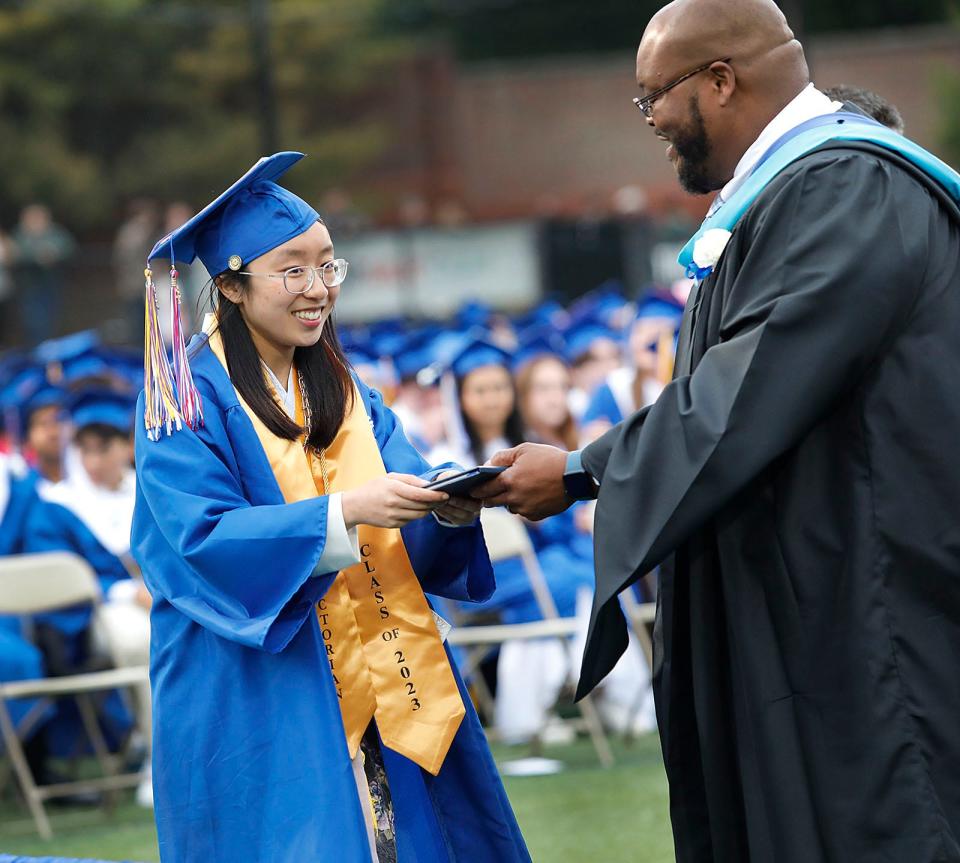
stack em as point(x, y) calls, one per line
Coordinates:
point(708, 249)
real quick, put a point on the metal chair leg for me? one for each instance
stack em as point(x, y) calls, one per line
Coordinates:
point(639, 629)
point(588, 710)
point(24, 776)
point(100, 749)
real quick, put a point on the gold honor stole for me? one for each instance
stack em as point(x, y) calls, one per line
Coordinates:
point(381, 641)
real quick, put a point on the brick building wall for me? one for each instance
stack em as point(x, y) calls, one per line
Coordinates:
point(561, 135)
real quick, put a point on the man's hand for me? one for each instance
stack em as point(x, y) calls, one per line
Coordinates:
point(532, 484)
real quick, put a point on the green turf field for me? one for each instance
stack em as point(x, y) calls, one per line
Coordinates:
point(584, 814)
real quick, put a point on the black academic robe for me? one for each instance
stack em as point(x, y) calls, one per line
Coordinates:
point(801, 480)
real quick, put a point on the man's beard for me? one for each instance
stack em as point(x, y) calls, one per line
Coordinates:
point(693, 153)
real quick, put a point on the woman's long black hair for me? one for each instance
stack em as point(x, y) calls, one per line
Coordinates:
point(513, 428)
point(325, 370)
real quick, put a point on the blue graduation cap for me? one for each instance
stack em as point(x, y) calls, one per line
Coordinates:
point(477, 353)
point(417, 352)
point(102, 407)
point(43, 396)
point(249, 219)
point(352, 336)
point(537, 342)
point(549, 312)
point(602, 305)
point(581, 337)
point(68, 348)
point(24, 395)
point(361, 354)
point(474, 314)
point(125, 365)
point(246, 221)
point(389, 336)
point(656, 305)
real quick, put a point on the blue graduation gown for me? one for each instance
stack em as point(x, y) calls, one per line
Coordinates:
point(52, 527)
point(23, 496)
point(602, 406)
point(250, 760)
point(19, 659)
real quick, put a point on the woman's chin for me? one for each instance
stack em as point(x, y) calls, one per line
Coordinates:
point(306, 337)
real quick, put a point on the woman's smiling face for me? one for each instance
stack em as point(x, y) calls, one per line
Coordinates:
point(276, 318)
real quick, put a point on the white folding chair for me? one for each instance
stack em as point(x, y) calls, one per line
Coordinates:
point(33, 584)
point(507, 537)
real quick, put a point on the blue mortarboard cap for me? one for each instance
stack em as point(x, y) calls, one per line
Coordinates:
point(388, 336)
point(44, 396)
point(249, 219)
point(124, 364)
point(410, 361)
point(475, 354)
point(474, 314)
point(548, 312)
point(102, 407)
point(390, 344)
point(67, 348)
point(26, 393)
point(85, 367)
point(580, 338)
point(659, 306)
point(538, 341)
point(350, 336)
point(361, 354)
point(602, 305)
point(12, 365)
point(416, 352)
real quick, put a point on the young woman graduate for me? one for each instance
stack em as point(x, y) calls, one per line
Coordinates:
point(305, 706)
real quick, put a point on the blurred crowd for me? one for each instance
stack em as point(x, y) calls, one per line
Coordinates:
point(463, 389)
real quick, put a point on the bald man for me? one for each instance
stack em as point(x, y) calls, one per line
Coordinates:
point(798, 478)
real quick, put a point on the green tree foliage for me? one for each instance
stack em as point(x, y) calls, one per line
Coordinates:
point(104, 100)
point(486, 29)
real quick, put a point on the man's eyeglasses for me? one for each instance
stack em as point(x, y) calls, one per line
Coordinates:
point(299, 280)
point(645, 104)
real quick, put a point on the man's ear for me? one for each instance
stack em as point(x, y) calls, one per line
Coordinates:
point(724, 82)
point(230, 288)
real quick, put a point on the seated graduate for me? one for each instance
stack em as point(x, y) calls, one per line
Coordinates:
point(592, 350)
point(19, 658)
point(650, 365)
point(305, 704)
point(89, 514)
point(44, 427)
point(564, 545)
point(486, 417)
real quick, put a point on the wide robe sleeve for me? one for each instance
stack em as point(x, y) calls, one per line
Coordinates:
point(829, 263)
point(451, 562)
point(248, 573)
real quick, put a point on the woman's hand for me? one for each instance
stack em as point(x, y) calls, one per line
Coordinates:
point(390, 501)
point(460, 511)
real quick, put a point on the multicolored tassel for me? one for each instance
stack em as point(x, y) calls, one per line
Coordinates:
point(160, 401)
point(191, 405)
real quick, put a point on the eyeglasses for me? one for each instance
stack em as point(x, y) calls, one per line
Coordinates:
point(645, 104)
point(299, 280)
